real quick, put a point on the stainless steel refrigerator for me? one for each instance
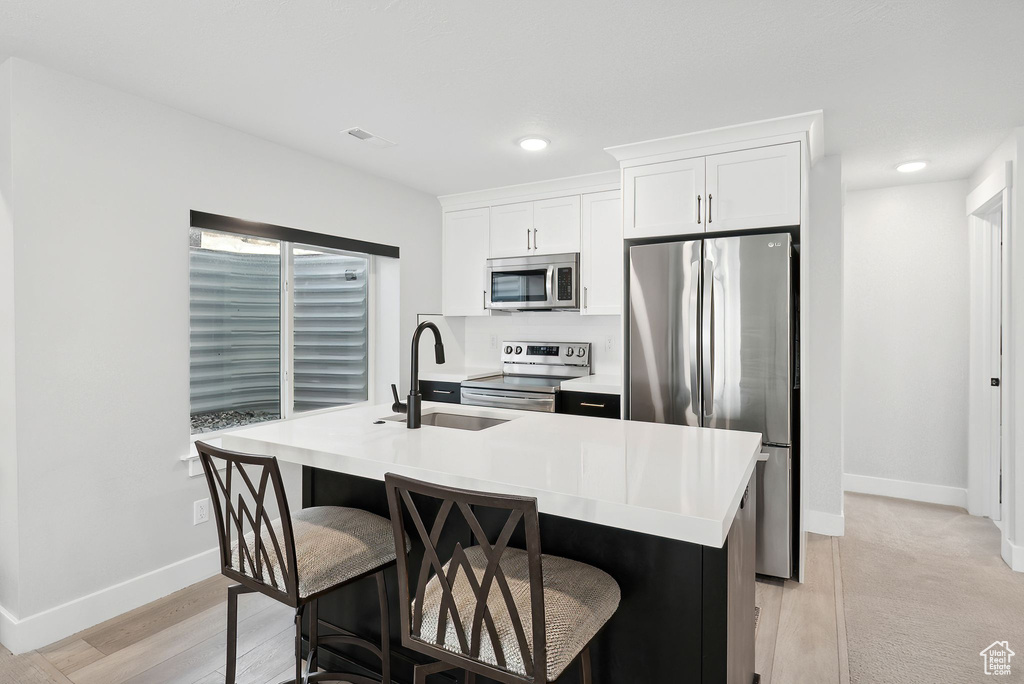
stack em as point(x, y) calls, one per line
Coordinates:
point(711, 341)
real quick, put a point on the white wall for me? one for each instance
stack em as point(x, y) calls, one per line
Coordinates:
point(105, 182)
point(822, 298)
point(8, 429)
point(1012, 150)
point(905, 334)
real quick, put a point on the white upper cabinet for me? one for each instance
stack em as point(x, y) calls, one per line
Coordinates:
point(556, 225)
point(550, 226)
point(601, 258)
point(511, 230)
point(663, 199)
point(463, 286)
point(758, 188)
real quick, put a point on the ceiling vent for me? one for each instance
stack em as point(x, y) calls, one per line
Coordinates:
point(368, 137)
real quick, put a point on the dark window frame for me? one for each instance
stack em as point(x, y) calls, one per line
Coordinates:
point(228, 224)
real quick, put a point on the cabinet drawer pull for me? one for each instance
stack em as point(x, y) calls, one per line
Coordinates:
point(587, 403)
point(442, 391)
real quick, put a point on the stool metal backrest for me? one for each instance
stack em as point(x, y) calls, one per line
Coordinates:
point(521, 512)
point(240, 503)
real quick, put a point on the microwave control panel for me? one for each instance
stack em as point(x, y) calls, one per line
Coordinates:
point(564, 278)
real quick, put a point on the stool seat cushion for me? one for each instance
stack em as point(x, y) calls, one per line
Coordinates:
point(578, 600)
point(332, 545)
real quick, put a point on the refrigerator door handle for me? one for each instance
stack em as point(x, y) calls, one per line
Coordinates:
point(708, 332)
point(692, 322)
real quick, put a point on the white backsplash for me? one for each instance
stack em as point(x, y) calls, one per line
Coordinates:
point(484, 336)
point(475, 342)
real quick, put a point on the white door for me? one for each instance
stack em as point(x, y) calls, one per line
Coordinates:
point(556, 225)
point(757, 188)
point(984, 475)
point(601, 258)
point(663, 199)
point(463, 287)
point(512, 230)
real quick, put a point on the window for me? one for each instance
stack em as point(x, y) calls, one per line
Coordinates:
point(277, 326)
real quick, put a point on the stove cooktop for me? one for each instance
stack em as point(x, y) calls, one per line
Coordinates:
point(519, 383)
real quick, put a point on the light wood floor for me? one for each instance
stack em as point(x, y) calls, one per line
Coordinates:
point(180, 638)
point(801, 634)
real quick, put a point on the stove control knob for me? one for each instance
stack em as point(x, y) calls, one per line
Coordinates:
point(519, 350)
point(508, 349)
point(582, 351)
point(569, 351)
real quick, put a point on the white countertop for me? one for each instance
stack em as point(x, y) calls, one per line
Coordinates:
point(599, 384)
point(457, 374)
point(677, 482)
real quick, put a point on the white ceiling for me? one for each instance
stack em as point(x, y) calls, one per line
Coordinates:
point(457, 82)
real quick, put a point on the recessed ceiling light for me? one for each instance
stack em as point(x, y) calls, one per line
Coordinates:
point(532, 144)
point(911, 167)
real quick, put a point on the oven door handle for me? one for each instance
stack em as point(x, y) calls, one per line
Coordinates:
point(508, 400)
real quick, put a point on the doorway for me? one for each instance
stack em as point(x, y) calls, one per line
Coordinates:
point(986, 456)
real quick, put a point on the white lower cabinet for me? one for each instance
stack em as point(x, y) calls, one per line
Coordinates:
point(466, 244)
point(757, 188)
point(601, 256)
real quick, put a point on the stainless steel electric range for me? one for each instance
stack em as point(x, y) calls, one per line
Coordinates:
point(531, 375)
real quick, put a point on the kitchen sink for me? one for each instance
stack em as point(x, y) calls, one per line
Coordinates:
point(456, 421)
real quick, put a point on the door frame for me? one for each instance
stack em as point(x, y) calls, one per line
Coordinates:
point(988, 209)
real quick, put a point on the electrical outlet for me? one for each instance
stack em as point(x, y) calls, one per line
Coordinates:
point(609, 343)
point(200, 511)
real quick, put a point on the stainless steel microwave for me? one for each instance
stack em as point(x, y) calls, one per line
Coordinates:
point(534, 282)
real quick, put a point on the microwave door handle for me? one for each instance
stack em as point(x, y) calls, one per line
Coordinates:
point(552, 296)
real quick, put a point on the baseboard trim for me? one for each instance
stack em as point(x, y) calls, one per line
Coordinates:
point(828, 524)
point(20, 635)
point(1013, 555)
point(903, 489)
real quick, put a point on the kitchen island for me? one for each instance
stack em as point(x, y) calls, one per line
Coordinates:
point(666, 510)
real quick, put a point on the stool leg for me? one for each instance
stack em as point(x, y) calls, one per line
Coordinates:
point(298, 644)
point(385, 630)
point(233, 593)
point(585, 670)
point(314, 641)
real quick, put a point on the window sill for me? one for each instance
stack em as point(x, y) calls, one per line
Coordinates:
point(195, 468)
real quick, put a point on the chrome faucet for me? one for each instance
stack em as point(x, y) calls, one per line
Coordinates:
point(414, 409)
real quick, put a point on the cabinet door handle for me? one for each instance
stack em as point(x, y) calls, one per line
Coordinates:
point(485, 299)
point(709, 207)
point(587, 403)
point(698, 210)
point(535, 238)
point(584, 297)
point(527, 239)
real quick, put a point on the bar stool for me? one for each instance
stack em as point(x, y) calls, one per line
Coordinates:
point(296, 559)
point(512, 615)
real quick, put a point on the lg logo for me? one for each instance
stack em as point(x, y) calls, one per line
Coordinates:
point(774, 244)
